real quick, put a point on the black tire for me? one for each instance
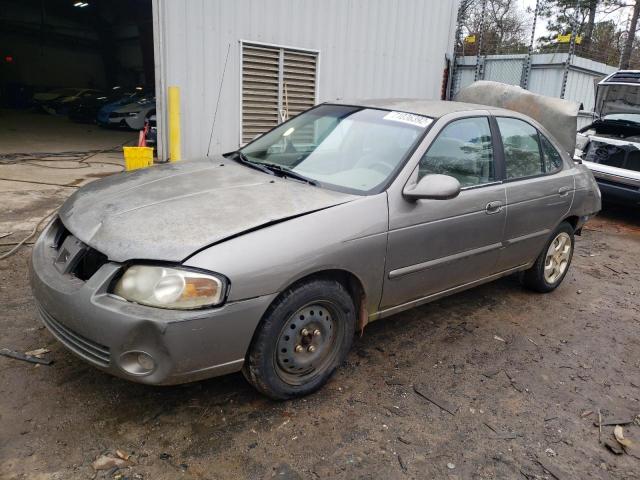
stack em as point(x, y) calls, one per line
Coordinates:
point(323, 301)
point(534, 278)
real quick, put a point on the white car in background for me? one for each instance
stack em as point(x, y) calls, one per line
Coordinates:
point(132, 115)
point(610, 146)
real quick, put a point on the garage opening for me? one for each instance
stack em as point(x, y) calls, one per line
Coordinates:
point(76, 85)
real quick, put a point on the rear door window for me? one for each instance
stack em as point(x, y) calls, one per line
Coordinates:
point(522, 154)
point(552, 158)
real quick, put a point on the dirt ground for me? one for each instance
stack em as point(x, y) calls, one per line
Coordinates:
point(515, 375)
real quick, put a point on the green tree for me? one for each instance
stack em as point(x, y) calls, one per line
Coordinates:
point(562, 14)
point(504, 29)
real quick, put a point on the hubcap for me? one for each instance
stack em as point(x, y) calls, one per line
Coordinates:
point(307, 343)
point(557, 259)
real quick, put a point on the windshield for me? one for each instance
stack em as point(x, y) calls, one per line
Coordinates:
point(348, 148)
point(623, 117)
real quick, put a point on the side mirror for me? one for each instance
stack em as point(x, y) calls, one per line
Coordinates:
point(434, 187)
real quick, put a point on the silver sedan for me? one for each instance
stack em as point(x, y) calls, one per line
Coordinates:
point(268, 259)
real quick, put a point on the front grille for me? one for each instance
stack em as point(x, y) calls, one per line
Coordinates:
point(620, 156)
point(89, 264)
point(612, 183)
point(60, 233)
point(88, 349)
point(85, 262)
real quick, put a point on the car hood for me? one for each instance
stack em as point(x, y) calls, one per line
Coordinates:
point(43, 97)
point(168, 212)
point(617, 98)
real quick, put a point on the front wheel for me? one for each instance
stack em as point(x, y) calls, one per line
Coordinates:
point(305, 334)
point(553, 263)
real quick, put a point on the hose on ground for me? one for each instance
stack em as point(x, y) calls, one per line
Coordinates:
point(28, 237)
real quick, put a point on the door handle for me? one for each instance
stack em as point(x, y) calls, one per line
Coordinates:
point(563, 191)
point(493, 207)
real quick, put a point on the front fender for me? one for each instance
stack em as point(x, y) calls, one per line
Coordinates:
point(350, 236)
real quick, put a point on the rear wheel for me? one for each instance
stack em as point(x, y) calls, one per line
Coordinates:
point(553, 263)
point(304, 336)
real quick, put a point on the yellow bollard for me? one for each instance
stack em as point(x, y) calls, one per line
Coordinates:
point(174, 124)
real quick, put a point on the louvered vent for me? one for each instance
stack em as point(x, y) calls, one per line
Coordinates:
point(277, 83)
point(260, 86)
point(299, 78)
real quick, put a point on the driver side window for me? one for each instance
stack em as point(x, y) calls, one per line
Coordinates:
point(463, 150)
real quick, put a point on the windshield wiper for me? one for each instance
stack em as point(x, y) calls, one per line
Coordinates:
point(272, 168)
point(242, 158)
point(286, 172)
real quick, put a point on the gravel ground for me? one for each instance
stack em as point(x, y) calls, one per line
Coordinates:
point(515, 375)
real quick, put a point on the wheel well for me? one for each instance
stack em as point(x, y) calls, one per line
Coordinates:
point(346, 278)
point(573, 221)
point(353, 285)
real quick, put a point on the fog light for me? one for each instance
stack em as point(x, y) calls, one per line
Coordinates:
point(137, 363)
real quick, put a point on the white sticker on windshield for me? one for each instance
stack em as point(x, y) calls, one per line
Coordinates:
point(410, 118)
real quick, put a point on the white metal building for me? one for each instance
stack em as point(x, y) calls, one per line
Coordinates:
point(283, 56)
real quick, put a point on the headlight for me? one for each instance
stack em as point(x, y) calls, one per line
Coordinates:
point(165, 287)
point(581, 141)
point(133, 114)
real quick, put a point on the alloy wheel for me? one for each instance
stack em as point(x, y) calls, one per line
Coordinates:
point(557, 259)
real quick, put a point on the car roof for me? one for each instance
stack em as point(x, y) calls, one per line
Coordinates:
point(420, 106)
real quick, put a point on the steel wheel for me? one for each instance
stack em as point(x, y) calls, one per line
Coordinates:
point(307, 343)
point(558, 257)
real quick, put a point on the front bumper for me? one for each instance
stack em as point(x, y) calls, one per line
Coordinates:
point(101, 328)
point(617, 184)
point(619, 192)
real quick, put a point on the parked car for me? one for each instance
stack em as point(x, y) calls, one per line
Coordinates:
point(55, 93)
point(268, 259)
point(610, 146)
point(55, 101)
point(86, 110)
point(130, 115)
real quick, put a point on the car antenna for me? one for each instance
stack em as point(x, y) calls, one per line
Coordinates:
point(215, 114)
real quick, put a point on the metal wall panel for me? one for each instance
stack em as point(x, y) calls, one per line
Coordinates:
point(546, 74)
point(367, 48)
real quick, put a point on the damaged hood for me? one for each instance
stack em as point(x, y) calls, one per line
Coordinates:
point(559, 117)
point(168, 212)
point(614, 98)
